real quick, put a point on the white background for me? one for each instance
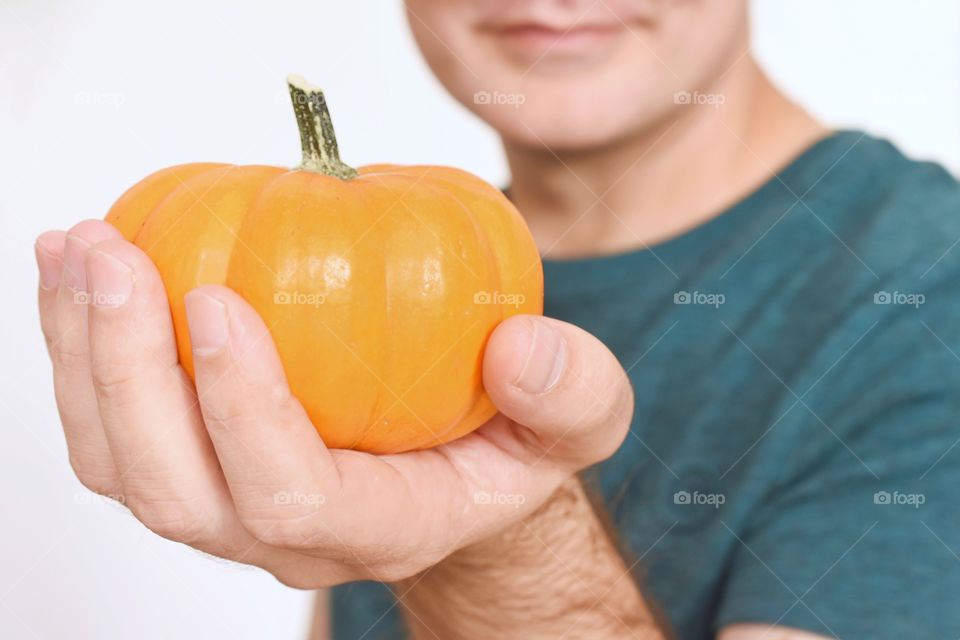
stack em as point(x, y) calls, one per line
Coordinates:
point(96, 94)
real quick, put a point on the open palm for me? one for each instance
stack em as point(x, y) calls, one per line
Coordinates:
point(233, 466)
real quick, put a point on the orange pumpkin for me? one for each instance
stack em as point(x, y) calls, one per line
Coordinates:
point(380, 286)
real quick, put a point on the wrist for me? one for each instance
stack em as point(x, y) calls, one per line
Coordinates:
point(552, 571)
point(482, 580)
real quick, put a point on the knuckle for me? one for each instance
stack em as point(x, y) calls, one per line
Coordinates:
point(228, 405)
point(102, 482)
point(220, 412)
point(113, 379)
point(621, 406)
point(175, 520)
point(275, 392)
point(49, 331)
point(293, 534)
point(612, 394)
point(68, 358)
point(613, 418)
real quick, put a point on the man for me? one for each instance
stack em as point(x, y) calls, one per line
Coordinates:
point(780, 297)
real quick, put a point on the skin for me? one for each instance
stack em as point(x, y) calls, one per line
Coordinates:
point(597, 152)
point(204, 467)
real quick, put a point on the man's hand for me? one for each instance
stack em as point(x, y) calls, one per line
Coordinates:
point(234, 467)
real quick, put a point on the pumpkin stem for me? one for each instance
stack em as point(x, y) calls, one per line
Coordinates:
point(319, 143)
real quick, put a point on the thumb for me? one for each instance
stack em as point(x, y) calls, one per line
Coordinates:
point(563, 384)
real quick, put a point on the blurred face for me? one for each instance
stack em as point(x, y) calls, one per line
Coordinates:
point(578, 74)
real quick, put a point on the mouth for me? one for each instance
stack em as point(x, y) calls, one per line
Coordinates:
point(533, 41)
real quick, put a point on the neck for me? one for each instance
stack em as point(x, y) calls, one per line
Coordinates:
point(664, 180)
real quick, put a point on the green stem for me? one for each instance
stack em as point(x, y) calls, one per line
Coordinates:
point(319, 143)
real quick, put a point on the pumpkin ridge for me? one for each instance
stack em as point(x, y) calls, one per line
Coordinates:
point(226, 169)
point(383, 406)
point(497, 274)
point(492, 207)
point(127, 213)
point(374, 414)
point(429, 182)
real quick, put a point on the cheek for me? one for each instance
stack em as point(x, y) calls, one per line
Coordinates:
point(443, 36)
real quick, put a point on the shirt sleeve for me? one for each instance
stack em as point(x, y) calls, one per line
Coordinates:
point(863, 541)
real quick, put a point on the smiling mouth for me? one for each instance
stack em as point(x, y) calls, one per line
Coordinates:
point(531, 40)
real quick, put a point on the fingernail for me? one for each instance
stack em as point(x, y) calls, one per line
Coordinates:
point(207, 318)
point(74, 273)
point(111, 281)
point(546, 359)
point(48, 265)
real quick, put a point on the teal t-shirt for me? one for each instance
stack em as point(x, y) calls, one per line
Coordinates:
point(793, 457)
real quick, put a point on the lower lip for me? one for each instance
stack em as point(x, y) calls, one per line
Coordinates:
point(536, 42)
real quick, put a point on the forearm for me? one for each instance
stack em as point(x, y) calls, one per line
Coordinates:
point(555, 574)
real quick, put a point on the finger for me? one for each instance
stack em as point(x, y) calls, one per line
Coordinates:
point(230, 539)
point(264, 439)
point(563, 384)
point(49, 253)
point(65, 324)
point(290, 490)
point(168, 468)
point(148, 408)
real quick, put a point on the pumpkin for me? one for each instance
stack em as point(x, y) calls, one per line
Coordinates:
point(380, 285)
